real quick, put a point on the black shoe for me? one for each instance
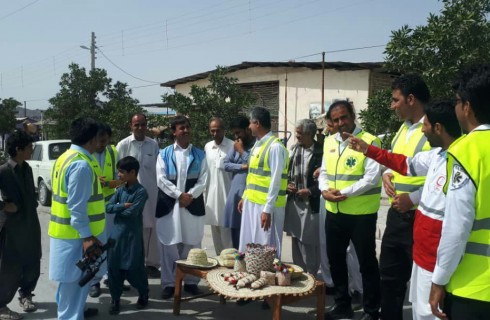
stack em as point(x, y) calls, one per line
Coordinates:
point(356, 301)
point(367, 316)
point(192, 289)
point(90, 312)
point(339, 311)
point(167, 293)
point(125, 287)
point(95, 291)
point(152, 272)
point(115, 307)
point(106, 282)
point(142, 302)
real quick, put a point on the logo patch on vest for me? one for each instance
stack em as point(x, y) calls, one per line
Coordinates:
point(459, 178)
point(350, 162)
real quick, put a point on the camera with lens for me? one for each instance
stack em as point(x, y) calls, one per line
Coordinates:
point(90, 266)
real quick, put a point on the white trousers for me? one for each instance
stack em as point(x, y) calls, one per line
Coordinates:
point(169, 255)
point(252, 232)
point(420, 285)
point(152, 250)
point(221, 238)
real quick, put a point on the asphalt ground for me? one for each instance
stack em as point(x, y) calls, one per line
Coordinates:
point(203, 308)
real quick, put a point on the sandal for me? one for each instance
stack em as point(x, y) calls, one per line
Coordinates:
point(7, 314)
point(26, 304)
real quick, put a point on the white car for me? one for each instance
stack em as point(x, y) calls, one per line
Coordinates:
point(43, 157)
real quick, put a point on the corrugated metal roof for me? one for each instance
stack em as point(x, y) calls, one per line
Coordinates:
point(344, 66)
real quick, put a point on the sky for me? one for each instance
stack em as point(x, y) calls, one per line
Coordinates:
point(147, 42)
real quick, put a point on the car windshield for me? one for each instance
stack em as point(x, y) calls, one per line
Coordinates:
point(56, 149)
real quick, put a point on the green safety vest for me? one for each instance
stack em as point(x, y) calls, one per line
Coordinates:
point(472, 276)
point(108, 171)
point(343, 170)
point(416, 143)
point(60, 223)
point(259, 175)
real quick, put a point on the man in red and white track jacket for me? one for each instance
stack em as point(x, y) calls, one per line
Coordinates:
point(441, 128)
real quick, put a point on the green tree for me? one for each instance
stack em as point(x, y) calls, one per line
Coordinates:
point(459, 36)
point(92, 95)
point(222, 98)
point(378, 119)
point(7, 117)
point(119, 108)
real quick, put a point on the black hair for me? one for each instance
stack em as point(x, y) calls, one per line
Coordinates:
point(240, 122)
point(473, 85)
point(412, 84)
point(219, 120)
point(82, 130)
point(341, 103)
point(262, 115)
point(328, 115)
point(178, 120)
point(443, 112)
point(104, 128)
point(128, 163)
point(138, 114)
point(18, 139)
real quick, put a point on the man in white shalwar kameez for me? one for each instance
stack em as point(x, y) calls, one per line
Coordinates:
point(263, 204)
point(181, 175)
point(217, 185)
point(145, 150)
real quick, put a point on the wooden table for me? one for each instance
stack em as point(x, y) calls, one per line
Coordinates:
point(276, 301)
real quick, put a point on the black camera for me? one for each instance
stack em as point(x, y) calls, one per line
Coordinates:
point(91, 266)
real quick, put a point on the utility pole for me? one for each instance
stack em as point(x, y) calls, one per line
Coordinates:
point(25, 109)
point(92, 52)
point(323, 82)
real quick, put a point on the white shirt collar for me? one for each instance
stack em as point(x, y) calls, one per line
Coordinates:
point(177, 147)
point(485, 126)
point(409, 124)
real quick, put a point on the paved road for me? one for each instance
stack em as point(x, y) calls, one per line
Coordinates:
point(205, 308)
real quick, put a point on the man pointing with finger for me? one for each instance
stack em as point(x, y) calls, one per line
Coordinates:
point(351, 186)
point(264, 199)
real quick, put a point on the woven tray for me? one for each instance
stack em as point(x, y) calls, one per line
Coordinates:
point(304, 285)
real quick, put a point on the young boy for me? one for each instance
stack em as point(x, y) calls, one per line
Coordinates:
point(126, 258)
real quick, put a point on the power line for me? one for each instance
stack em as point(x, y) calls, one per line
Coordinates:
point(339, 50)
point(18, 10)
point(124, 71)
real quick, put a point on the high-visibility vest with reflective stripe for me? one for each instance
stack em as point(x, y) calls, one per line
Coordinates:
point(416, 143)
point(472, 276)
point(346, 168)
point(60, 223)
point(259, 175)
point(108, 171)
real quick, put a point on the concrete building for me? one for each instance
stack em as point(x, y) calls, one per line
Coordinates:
point(292, 90)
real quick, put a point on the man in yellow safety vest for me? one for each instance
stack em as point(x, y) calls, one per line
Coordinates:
point(408, 97)
point(351, 185)
point(264, 199)
point(77, 218)
point(461, 279)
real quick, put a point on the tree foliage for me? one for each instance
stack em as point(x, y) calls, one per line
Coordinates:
point(222, 98)
point(92, 95)
point(118, 109)
point(7, 117)
point(378, 119)
point(459, 36)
